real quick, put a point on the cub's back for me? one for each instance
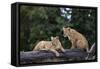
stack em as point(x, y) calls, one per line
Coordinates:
point(43, 45)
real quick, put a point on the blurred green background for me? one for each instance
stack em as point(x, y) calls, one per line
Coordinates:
point(40, 23)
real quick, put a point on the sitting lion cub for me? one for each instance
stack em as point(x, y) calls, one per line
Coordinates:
point(52, 45)
point(77, 39)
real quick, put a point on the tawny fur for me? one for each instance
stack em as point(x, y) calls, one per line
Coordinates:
point(52, 45)
point(76, 38)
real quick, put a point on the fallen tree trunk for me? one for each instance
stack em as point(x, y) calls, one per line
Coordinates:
point(47, 56)
point(92, 52)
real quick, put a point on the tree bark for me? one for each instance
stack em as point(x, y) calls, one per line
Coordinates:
point(47, 56)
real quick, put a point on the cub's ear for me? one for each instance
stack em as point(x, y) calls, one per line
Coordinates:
point(69, 28)
point(63, 28)
point(57, 37)
point(51, 37)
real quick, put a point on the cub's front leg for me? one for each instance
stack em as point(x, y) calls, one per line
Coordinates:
point(55, 52)
point(62, 49)
point(73, 44)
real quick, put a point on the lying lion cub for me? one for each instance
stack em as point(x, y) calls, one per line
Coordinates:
point(52, 45)
point(76, 38)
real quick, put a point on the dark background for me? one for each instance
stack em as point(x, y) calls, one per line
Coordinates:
point(40, 23)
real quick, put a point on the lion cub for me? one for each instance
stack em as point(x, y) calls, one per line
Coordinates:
point(76, 38)
point(52, 45)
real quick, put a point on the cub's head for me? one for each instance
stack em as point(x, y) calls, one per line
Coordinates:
point(66, 31)
point(55, 41)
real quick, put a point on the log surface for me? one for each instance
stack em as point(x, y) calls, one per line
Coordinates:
point(36, 56)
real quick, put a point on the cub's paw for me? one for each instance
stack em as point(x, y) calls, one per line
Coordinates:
point(57, 55)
